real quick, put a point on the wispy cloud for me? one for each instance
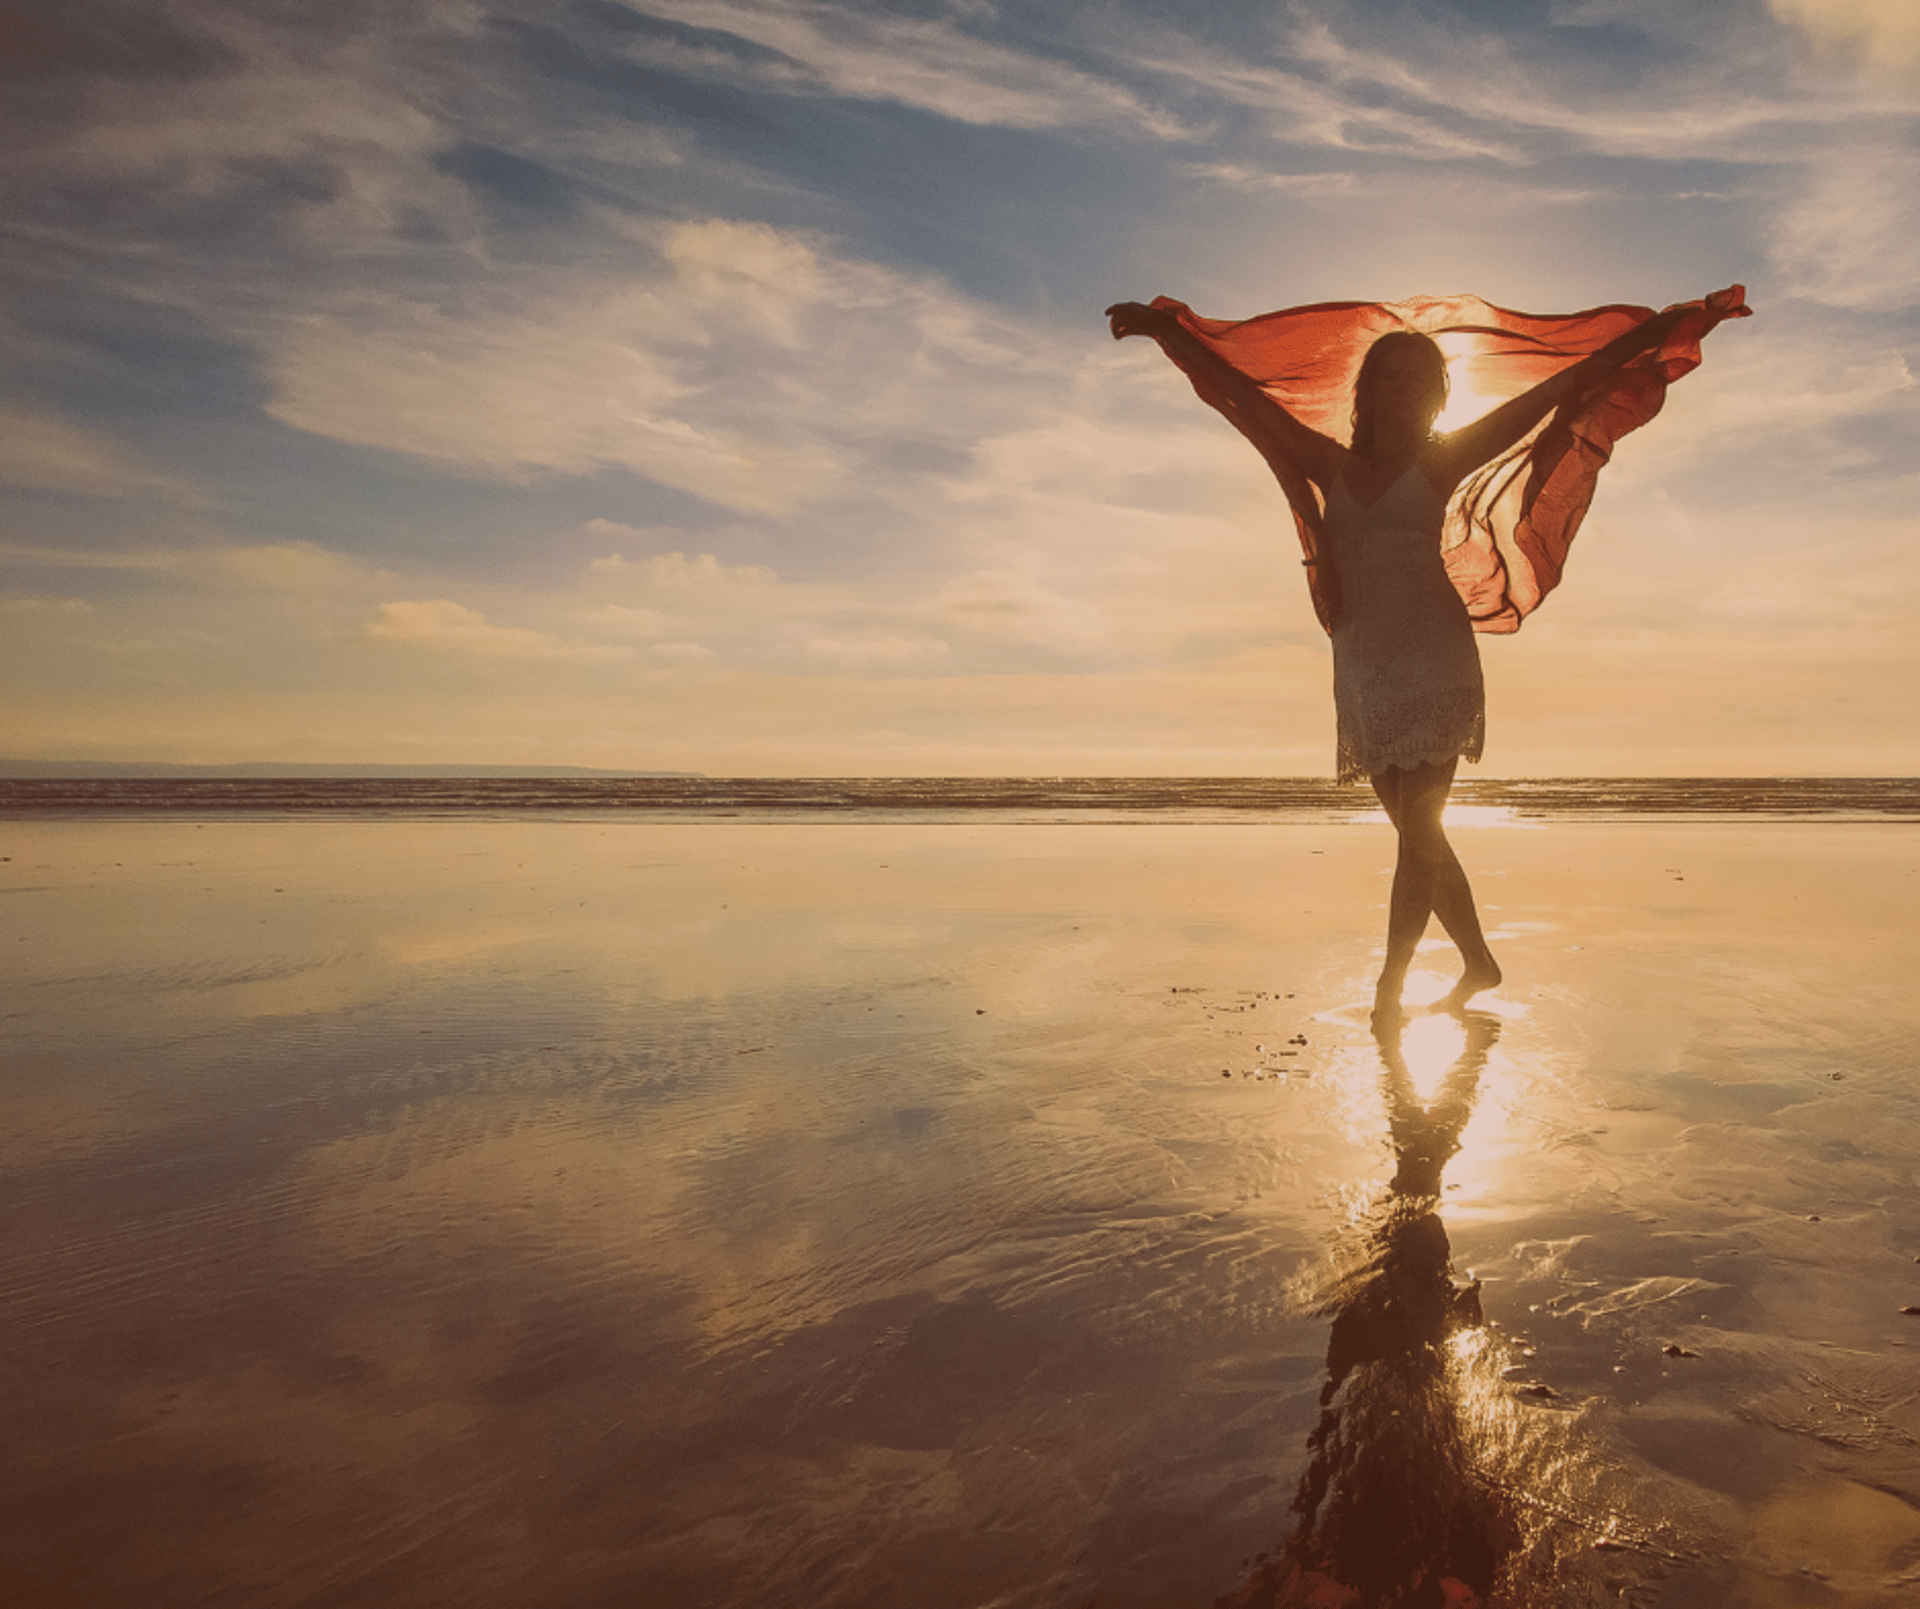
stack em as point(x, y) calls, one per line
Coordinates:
point(1846, 231)
point(296, 144)
point(725, 358)
point(930, 64)
point(41, 452)
point(449, 627)
point(1339, 79)
point(1302, 109)
point(1885, 34)
point(889, 648)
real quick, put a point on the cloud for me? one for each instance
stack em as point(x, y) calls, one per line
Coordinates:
point(630, 621)
point(724, 358)
point(556, 384)
point(1018, 602)
point(1886, 33)
point(1511, 199)
point(697, 608)
point(1095, 535)
point(304, 569)
point(448, 627)
point(262, 127)
point(861, 53)
point(677, 573)
point(1782, 402)
point(56, 608)
point(300, 567)
point(1846, 235)
point(889, 648)
point(1305, 111)
point(40, 452)
point(748, 274)
point(1307, 186)
point(265, 115)
point(1339, 78)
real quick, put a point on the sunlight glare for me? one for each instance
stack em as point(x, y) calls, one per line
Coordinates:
point(1462, 815)
point(1465, 401)
point(1431, 1046)
point(1475, 815)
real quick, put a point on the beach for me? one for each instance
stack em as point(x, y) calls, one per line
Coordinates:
point(944, 1213)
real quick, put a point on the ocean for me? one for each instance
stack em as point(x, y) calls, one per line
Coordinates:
point(1181, 800)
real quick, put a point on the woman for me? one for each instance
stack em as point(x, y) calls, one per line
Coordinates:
point(1407, 687)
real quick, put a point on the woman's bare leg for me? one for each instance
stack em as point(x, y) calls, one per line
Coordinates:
point(1428, 880)
point(1452, 896)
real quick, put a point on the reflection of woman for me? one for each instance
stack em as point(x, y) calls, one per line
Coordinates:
point(1392, 1510)
point(1407, 688)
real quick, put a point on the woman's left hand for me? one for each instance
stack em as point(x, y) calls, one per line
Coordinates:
point(1136, 318)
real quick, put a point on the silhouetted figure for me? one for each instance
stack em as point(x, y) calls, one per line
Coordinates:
point(1415, 539)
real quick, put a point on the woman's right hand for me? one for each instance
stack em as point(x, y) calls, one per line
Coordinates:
point(1136, 318)
point(1661, 325)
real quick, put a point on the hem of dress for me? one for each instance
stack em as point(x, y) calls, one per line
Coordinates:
point(1351, 768)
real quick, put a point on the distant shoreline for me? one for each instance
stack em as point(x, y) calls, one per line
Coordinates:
point(268, 770)
point(1477, 800)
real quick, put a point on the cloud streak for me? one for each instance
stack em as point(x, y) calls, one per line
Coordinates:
point(1886, 33)
point(40, 452)
point(930, 65)
point(444, 626)
point(726, 359)
point(1843, 235)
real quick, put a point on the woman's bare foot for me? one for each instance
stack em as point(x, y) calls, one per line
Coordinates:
point(1388, 1013)
point(1482, 974)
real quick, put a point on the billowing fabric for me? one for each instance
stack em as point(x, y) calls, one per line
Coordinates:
point(1406, 673)
point(1508, 527)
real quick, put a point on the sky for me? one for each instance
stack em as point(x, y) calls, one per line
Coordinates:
point(722, 386)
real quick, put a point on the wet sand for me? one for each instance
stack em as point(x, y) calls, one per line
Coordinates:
point(540, 1213)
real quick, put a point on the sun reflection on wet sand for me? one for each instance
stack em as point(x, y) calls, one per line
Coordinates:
point(1391, 1508)
point(1461, 814)
point(1436, 1474)
point(1430, 1046)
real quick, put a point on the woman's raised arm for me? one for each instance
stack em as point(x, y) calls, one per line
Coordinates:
point(1254, 414)
point(1486, 438)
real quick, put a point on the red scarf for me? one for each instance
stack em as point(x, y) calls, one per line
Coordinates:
point(1510, 523)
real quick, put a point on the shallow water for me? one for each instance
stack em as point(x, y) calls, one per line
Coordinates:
point(721, 1213)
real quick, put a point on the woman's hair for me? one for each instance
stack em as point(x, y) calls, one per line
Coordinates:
point(1394, 341)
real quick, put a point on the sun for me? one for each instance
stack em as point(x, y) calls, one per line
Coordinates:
point(1465, 401)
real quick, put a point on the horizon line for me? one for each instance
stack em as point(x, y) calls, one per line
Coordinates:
point(100, 770)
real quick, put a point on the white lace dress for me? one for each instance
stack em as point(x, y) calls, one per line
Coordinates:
point(1406, 672)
